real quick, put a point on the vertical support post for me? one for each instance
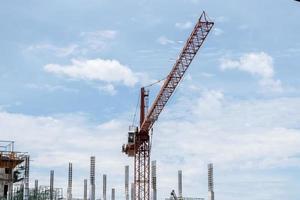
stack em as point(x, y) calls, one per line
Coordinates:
point(10, 191)
point(51, 184)
point(104, 186)
point(142, 108)
point(142, 167)
point(26, 179)
point(211, 195)
point(92, 178)
point(113, 191)
point(180, 184)
point(69, 190)
point(36, 189)
point(85, 189)
point(126, 182)
point(132, 191)
point(153, 174)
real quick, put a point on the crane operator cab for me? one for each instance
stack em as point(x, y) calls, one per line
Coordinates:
point(129, 147)
point(131, 137)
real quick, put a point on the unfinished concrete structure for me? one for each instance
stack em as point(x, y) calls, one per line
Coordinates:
point(70, 175)
point(132, 192)
point(45, 193)
point(36, 189)
point(104, 187)
point(179, 184)
point(92, 178)
point(14, 166)
point(85, 189)
point(126, 182)
point(153, 180)
point(211, 195)
point(26, 179)
point(51, 184)
point(113, 193)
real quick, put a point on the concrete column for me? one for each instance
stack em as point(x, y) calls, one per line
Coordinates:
point(153, 181)
point(92, 178)
point(180, 183)
point(85, 189)
point(51, 184)
point(70, 176)
point(26, 179)
point(132, 191)
point(211, 195)
point(127, 182)
point(36, 189)
point(104, 186)
point(113, 191)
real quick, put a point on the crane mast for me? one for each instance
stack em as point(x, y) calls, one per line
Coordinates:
point(138, 145)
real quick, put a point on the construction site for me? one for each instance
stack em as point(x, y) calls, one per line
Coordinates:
point(140, 179)
point(15, 166)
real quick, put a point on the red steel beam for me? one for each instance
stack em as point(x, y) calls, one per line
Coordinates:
point(190, 49)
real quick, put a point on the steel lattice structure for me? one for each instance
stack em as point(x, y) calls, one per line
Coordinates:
point(138, 145)
point(193, 44)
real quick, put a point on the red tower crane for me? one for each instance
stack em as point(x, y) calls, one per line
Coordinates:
point(138, 145)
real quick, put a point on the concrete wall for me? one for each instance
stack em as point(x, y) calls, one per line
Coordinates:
point(5, 179)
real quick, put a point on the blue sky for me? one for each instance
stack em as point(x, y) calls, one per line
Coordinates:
point(71, 72)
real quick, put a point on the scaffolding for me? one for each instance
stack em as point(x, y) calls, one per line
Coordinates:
point(43, 193)
point(14, 170)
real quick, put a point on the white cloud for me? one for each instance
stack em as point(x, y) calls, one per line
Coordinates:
point(184, 25)
point(108, 71)
point(52, 142)
point(259, 64)
point(163, 40)
point(238, 136)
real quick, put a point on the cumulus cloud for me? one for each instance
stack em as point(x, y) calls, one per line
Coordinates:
point(53, 141)
point(107, 71)
point(237, 136)
point(259, 64)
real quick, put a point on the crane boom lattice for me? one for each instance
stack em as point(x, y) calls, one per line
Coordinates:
point(193, 44)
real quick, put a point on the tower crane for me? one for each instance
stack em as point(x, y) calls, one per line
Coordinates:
point(138, 144)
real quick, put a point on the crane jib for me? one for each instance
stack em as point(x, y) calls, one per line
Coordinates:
point(193, 44)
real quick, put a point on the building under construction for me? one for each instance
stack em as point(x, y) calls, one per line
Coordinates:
point(14, 177)
point(14, 170)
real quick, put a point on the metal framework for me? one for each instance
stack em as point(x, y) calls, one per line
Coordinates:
point(193, 44)
point(140, 147)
